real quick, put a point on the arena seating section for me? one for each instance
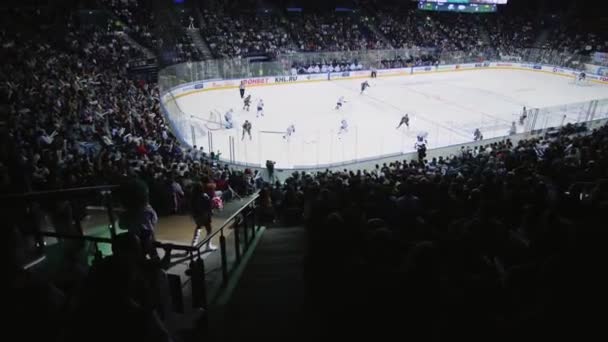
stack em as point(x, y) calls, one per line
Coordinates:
point(484, 241)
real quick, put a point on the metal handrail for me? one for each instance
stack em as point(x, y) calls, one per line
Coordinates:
point(228, 221)
point(246, 226)
point(32, 195)
point(98, 239)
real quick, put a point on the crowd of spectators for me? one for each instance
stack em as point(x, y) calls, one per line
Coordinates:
point(138, 19)
point(154, 29)
point(235, 34)
point(244, 35)
point(479, 244)
point(75, 119)
point(333, 32)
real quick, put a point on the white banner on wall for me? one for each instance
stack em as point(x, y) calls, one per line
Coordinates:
point(600, 57)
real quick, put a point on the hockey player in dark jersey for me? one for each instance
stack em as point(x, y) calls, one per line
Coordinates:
point(405, 120)
point(523, 116)
point(582, 76)
point(247, 102)
point(246, 129)
point(477, 135)
point(364, 86)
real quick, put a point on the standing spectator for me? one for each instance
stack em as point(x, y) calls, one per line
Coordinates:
point(177, 193)
point(201, 213)
point(191, 25)
point(139, 217)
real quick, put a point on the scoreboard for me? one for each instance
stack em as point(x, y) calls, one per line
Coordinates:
point(465, 6)
point(491, 2)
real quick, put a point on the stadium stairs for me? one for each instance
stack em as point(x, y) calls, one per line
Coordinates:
point(135, 44)
point(542, 37)
point(198, 40)
point(268, 300)
point(372, 27)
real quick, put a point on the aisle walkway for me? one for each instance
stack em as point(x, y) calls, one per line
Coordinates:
point(268, 302)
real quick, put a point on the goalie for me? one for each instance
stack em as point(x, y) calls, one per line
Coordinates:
point(229, 123)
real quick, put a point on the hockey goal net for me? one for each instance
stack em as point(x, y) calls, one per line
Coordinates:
point(213, 121)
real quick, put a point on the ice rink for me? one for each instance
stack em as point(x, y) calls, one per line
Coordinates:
point(449, 106)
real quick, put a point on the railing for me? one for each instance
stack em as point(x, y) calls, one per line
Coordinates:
point(243, 225)
point(26, 212)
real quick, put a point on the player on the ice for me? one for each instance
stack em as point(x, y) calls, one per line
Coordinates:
point(405, 120)
point(260, 109)
point(513, 129)
point(421, 139)
point(247, 102)
point(343, 128)
point(289, 132)
point(340, 102)
point(246, 129)
point(581, 77)
point(523, 116)
point(420, 145)
point(228, 119)
point(364, 86)
point(477, 135)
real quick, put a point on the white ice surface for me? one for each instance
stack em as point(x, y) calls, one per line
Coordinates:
point(449, 106)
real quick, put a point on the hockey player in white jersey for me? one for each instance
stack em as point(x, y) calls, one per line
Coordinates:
point(289, 132)
point(260, 109)
point(228, 119)
point(364, 86)
point(343, 128)
point(341, 101)
point(421, 139)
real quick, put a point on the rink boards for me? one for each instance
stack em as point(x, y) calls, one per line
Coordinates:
point(202, 86)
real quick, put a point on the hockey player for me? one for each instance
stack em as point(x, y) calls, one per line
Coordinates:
point(513, 129)
point(247, 102)
point(405, 120)
point(421, 138)
point(260, 109)
point(343, 128)
point(420, 145)
point(523, 116)
point(246, 129)
point(374, 73)
point(228, 119)
point(477, 135)
point(581, 77)
point(364, 86)
point(242, 89)
point(289, 132)
point(340, 102)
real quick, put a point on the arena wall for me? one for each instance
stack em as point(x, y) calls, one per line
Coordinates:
point(209, 85)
